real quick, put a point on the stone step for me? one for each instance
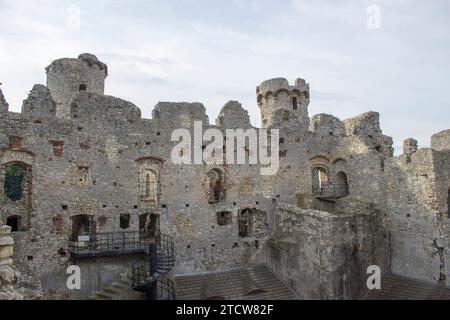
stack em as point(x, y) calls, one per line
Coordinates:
point(395, 287)
point(233, 284)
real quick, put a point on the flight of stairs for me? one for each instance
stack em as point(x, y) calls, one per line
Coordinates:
point(120, 290)
point(395, 287)
point(245, 283)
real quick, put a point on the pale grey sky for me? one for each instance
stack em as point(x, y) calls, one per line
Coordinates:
point(213, 51)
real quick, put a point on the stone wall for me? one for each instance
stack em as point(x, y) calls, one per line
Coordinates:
point(322, 255)
point(86, 153)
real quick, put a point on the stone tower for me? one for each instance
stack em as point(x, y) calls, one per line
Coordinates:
point(277, 94)
point(66, 77)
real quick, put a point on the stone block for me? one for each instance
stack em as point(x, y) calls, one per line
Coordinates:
point(6, 251)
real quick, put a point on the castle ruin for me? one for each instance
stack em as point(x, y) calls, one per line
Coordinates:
point(81, 171)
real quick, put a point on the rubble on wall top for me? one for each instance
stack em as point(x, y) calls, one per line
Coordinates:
point(3, 104)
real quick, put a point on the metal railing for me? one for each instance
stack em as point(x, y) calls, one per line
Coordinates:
point(331, 190)
point(110, 243)
point(150, 276)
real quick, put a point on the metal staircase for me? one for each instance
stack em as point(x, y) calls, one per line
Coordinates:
point(152, 275)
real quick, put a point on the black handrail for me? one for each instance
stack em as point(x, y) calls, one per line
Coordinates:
point(150, 277)
point(110, 243)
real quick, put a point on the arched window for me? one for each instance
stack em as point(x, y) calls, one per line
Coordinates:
point(216, 189)
point(341, 184)
point(294, 103)
point(14, 222)
point(147, 185)
point(14, 181)
point(319, 178)
point(245, 223)
point(150, 186)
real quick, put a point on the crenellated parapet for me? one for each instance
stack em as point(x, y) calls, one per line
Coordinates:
point(276, 94)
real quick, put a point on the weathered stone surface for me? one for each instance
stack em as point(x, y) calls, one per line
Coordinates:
point(87, 154)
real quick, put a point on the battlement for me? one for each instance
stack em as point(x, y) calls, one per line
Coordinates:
point(180, 113)
point(67, 76)
point(276, 94)
point(274, 86)
point(233, 115)
point(108, 110)
point(441, 141)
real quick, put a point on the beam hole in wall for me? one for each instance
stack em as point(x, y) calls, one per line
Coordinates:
point(30, 258)
point(62, 253)
point(82, 87)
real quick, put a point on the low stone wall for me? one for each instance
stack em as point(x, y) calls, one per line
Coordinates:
point(7, 274)
point(323, 255)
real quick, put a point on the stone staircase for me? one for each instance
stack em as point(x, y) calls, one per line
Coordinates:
point(120, 290)
point(395, 287)
point(245, 283)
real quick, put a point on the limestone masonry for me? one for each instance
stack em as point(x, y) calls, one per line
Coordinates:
point(78, 166)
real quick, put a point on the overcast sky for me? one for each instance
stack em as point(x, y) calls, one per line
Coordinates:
point(212, 51)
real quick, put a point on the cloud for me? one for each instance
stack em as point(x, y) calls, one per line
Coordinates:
point(212, 52)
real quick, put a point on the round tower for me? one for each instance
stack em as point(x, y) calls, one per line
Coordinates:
point(276, 94)
point(67, 77)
